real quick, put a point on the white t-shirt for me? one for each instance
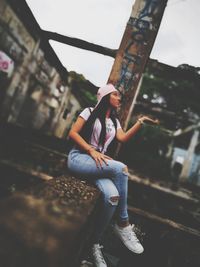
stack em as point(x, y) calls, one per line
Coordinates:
point(110, 130)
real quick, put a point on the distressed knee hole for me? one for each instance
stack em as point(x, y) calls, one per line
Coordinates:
point(114, 200)
point(125, 170)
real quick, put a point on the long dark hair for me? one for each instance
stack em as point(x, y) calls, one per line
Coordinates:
point(99, 113)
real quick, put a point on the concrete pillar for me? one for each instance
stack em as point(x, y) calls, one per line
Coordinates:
point(134, 50)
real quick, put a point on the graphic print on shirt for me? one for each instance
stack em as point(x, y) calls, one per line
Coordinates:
point(109, 129)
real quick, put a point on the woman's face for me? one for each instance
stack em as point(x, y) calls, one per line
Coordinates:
point(115, 99)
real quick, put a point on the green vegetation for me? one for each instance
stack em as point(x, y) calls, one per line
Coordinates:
point(84, 90)
point(180, 93)
point(146, 152)
point(176, 93)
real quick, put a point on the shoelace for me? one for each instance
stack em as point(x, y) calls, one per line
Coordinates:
point(130, 234)
point(98, 254)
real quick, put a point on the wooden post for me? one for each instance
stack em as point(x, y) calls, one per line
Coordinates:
point(134, 51)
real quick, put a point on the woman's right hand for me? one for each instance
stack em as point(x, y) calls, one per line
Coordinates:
point(147, 119)
point(98, 157)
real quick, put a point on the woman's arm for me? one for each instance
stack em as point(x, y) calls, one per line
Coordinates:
point(125, 136)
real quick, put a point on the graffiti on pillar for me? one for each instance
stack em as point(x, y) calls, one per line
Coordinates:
point(149, 8)
point(128, 64)
point(133, 53)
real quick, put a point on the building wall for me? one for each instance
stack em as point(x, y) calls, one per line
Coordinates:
point(33, 94)
point(67, 117)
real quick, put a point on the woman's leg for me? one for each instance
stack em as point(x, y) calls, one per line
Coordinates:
point(110, 198)
point(82, 164)
point(120, 180)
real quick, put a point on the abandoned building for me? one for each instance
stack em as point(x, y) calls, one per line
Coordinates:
point(35, 87)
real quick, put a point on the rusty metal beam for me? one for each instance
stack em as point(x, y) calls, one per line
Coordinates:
point(134, 51)
point(80, 43)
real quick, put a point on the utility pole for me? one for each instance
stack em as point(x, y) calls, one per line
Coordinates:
point(134, 51)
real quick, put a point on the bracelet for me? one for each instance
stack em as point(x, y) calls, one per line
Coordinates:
point(140, 121)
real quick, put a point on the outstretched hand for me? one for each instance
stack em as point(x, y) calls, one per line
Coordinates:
point(147, 119)
point(99, 158)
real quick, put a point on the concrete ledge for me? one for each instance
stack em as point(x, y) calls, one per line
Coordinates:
point(47, 225)
point(46, 215)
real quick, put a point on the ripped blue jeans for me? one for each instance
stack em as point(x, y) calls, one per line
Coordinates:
point(112, 181)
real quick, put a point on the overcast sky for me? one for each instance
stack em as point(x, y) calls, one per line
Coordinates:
point(103, 22)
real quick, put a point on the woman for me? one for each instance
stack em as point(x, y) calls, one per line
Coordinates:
point(92, 133)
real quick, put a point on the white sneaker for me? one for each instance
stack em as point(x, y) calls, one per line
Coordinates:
point(98, 256)
point(129, 238)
